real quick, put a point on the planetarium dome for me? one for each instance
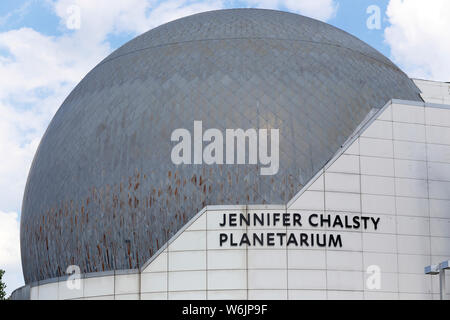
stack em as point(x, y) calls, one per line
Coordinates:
point(103, 193)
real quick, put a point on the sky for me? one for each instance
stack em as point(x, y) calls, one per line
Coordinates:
point(47, 46)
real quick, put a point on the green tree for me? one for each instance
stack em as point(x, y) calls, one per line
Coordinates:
point(2, 286)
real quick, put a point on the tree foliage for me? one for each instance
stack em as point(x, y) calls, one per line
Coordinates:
point(2, 286)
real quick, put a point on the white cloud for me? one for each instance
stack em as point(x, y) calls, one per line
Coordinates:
point(10, 251)
point(419, 37)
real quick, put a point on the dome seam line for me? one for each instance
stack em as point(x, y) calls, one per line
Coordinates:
point(393, 66)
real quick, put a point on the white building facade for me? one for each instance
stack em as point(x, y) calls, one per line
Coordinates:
point(363, 228)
